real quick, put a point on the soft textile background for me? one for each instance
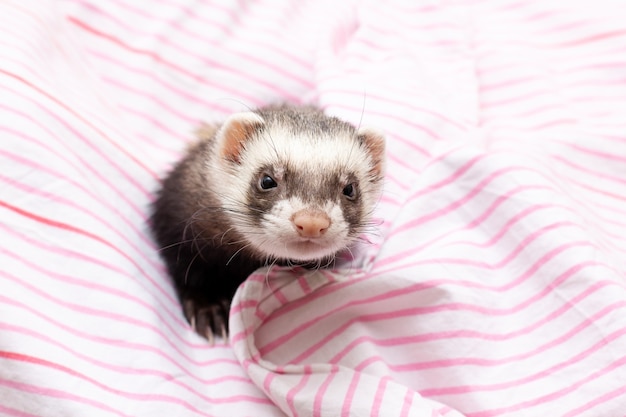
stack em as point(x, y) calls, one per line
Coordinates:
point(495, 286)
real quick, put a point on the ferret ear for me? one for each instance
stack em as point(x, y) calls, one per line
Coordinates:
point(234, 133)
point(374, 141)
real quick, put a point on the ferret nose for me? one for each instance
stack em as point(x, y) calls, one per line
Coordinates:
point(311, 223)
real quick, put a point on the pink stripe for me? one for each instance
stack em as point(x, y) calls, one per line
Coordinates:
point(600, 400)
point(528, 111)
point(470, 361)
point(402, 255)
point(267, 382)
point(265, 349)
point(455, 204)
point(108, 226)
point(397, 313)
point(465, 334)
point(171, 154)
point(601, 218)
point(594, 173)
point(178, 68)
point(275, 88)
point(173, 314)
point(280, 296)
point(72, 229)
point(406, 105)
point(291, 394)
point(190, 98)
point(251, 59)
point(179, 137)
point(597, 190)
point(100, 133)
point(139, 347)
point(378, 397)
point(148, 95)
point(15, 413)
point(190, 10)
point(58, 394)
point(321, 392)
point(596, 37)
point(508, 83)
point(86, 166)
point(235, 13)
point(463, 169)
point(67, 179)
point(594, 66)
point(550, 371)
point(578, 26)
point(399, 161)
point(549, 125)
point(535, 16)
point(354, 383)
point(92, 382)
point(516, 251)
point(553, 396)
point(88, 311)
point(593, 152)
point(460, 361)
point(444, 410)
point(549, 255)
point(136, 370)
point(302, 282)
point(504, 197)
point(533, 94)
point(410, 123)
point(407, 404)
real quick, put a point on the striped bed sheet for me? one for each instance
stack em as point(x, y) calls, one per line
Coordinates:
point(494, 286)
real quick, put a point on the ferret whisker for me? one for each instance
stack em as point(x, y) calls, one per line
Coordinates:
point(270, 261)
point(189, 266)
point(197, 235)
point(182, 242)
point(225, 233)
point(235, 254)
point(349, 250)
point(238, 102)
point(363, 240)
point(358, 127)
point(356, 142)
point(318, 265)
point(267, 273)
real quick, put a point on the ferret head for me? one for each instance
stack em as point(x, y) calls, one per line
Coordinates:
point(295, 183)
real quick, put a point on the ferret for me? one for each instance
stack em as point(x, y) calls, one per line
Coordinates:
point(281, 184)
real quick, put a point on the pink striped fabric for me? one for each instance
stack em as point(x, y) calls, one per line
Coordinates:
point(495, 285)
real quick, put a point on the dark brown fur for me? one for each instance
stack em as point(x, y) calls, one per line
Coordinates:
point(195, 249)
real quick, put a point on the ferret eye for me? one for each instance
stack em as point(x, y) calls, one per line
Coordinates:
point(267, 182)
point(350, 191)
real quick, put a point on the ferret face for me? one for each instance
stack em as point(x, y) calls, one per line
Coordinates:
point(301, 185)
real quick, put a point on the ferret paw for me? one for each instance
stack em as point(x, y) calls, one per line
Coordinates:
point(208, 319)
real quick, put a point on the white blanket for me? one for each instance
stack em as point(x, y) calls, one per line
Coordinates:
point(494, 286)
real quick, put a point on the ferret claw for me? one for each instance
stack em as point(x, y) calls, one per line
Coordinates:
point(208, 319)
